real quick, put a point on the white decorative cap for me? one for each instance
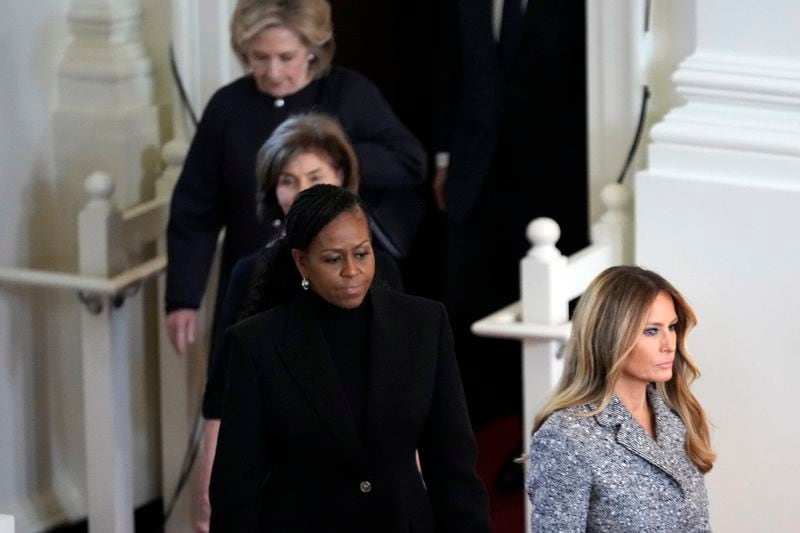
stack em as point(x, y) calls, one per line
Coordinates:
point(174, 152)
point(99, 185)
point(615, 196)
point(543, 233)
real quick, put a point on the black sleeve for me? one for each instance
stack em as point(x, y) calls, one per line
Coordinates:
point(389, 156)
point(448, 450)
point(196, 212)
point(241, 463)
point(227, 316)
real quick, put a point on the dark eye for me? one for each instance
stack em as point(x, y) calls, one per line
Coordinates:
point(361, 255)
point(287, 181)
point(673, 327)
point(286, 57)
point(649, 332)
point(333, 259)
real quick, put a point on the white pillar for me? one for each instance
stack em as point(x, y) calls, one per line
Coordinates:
point(717, 214)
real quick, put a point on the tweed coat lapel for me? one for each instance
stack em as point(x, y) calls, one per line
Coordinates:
point(306, 357)
point(666, 452)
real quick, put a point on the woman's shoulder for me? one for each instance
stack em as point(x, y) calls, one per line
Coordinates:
point(345, 84)
point(264, 323)
point(406, 302)
point(573, 423)
point(238, 92)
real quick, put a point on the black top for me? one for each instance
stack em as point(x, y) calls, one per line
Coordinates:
point(346, 332)
point(217, 186)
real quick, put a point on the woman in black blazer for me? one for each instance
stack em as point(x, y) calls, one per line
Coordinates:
point(333, 390)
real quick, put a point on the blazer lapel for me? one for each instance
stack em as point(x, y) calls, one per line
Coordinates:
point(633, 437)
point(307, 359)
point(388, 359)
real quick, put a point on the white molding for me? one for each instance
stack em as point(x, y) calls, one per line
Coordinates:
point(105, 65)
point(739, 79)
point(737, 105)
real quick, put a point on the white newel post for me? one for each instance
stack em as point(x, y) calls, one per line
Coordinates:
point(542, 273)
point(6, 523)
point(106, 372)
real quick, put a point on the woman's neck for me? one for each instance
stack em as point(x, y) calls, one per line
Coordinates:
point(634, 397)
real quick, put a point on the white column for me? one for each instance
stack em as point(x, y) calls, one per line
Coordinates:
point(717, 214)
point(106, 371)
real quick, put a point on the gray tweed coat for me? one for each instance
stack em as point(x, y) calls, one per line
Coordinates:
point(605, 473)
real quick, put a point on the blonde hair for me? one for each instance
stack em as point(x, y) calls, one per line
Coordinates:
point(607, 323)
point(309, 19)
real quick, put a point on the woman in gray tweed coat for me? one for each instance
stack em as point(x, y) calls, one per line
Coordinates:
point(623, 445)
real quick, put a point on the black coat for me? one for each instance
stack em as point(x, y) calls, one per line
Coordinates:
point(528, 116)
point(289, 457)
point(217, 186)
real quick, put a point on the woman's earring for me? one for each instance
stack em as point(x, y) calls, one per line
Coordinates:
point(305, 284)
point(311, 57)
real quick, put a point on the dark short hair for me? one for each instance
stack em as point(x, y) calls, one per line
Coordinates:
point(314, 132)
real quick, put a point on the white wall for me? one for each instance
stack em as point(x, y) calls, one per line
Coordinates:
point(717, 214)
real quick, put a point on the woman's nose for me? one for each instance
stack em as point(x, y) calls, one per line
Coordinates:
point(349, 267)
point(273, 70)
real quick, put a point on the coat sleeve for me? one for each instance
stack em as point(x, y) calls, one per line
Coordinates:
point(196, 211)
point(448, 449)
point(559, 483)
point(241, 464)
point(389, 155)
point(227, 316)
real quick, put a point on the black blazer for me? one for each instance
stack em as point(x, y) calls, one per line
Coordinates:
point(289, 457)
point(531, 115)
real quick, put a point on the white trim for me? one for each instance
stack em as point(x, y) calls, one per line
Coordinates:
point(717, 76)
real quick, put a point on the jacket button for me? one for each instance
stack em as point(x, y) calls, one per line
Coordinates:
point(365, 487)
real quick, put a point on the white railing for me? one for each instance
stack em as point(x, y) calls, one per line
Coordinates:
point(110, 244)
point(549, 281)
